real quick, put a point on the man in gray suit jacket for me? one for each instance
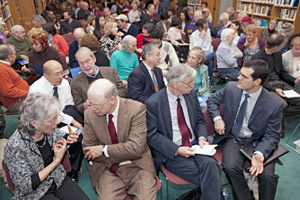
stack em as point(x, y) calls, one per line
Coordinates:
point(251, 116)
point(81, 83)
point(174, 123)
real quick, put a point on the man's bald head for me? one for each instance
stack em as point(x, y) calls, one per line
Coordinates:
point(102, 88)
point(53, 72)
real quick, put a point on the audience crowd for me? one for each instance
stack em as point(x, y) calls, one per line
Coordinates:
point(127, 75)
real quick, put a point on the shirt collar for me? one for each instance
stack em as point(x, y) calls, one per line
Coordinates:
point(116, 111)
point(171, 96)
point(254, 95)
point(5, 62)
point(94, 76)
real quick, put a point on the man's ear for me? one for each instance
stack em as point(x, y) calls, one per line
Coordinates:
point(258, 81)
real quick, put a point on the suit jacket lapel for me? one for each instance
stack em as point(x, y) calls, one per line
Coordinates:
point(103, 129)
point(157, 73)
point(122, 120)
point(259, 106)
point(148, 77)
point(190, 108)
point(236, 102)
point(166, 113)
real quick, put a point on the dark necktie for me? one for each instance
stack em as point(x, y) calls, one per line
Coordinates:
point(154, 81)
point(236, 129)
point(55, 93)
point(114, 139)
point(184, 129)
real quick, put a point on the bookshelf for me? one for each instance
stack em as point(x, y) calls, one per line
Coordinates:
point(193, 5)
point(262, 11)
point(5, 13)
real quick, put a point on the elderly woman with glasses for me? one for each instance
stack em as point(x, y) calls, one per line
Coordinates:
point(196, 59)
point(41, 52)
point(227, 55)
point(34, 152)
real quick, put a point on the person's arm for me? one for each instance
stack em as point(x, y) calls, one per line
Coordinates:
point(114, 61)
point(136, 87)
point(173, 58)
point(7, 88)
point(77, 96)
point(224, 54)
point(172, 36)
point(155, 139)
point(63, 46)
point(122, 92)
point(59, 152)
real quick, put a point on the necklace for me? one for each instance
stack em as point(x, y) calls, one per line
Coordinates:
point(41, 146)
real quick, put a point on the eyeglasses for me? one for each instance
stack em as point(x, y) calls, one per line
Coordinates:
point(190, 84)
point(52, 121)
point(97, 106)
point(57, 74)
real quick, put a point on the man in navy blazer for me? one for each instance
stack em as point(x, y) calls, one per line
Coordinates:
point(141, 81)
point(168, 143)
point(74, 46)
point(260, 127)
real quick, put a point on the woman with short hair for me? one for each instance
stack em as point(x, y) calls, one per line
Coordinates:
point(251, 44)
point(227, 55)
point(34, 152)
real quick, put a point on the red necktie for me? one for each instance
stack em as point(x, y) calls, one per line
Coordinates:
point(184, 129)
point(114, 140)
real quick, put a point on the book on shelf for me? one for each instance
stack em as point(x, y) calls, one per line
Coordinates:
point(191, 1)
point(191, 9)
point(261, 22)
point(246, 7)
point(290, 3)
point(263, 10)
point(265, 1)
point(287, 13)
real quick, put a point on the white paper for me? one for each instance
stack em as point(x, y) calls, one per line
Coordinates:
point(66, 130)
point(290, 94)
point(206, 150)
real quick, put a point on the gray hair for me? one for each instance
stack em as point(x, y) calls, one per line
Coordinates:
point(127, 40)
point(5, 51)
point(225, 33)
point(200, 54)
point(108, 89)
point(287, 29)
point(83, 51)
point(224, 16)
point(37, 108)
point(40, 20)
point(230, 10)
point(148, 49)
point(180, 72)
point(16, 28)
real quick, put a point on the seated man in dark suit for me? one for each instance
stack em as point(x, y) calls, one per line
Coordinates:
point(279, 79)
point(74, 46)
point(146, 79)
point(251, 116)
point(175, 122)
point(90, 72)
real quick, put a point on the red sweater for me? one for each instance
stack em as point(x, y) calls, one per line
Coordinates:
point(12, 86)
point(61, 45)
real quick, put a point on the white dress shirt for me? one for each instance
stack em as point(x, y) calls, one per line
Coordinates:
point(204, 43)
point(64, 93)
point(177, 137)
point(115, 121)
point(150, 72)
